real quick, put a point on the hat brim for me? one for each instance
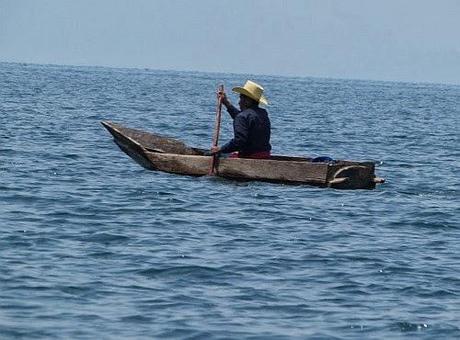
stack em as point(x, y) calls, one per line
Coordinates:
point(242, 90)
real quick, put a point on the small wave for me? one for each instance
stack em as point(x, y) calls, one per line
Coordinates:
point(102, 254)
point(138, 318)
point(11, 332)
point(194, 272)
point(409, 326)
point(105, 238)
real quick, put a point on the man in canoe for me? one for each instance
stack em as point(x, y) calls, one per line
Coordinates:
point(251, 125)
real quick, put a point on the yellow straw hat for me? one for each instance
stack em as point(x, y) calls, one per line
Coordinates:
point(252, 90)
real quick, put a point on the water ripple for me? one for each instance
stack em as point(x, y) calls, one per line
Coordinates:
point(94, 246)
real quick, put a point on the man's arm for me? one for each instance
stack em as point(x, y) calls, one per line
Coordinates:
point(232, 110)
point(241, 131)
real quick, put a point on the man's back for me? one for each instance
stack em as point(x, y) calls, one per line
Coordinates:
point(255, 123)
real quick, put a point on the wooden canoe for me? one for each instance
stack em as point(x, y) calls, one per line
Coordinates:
point(157, 152)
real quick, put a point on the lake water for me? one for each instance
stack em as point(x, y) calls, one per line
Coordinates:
point(94, 246)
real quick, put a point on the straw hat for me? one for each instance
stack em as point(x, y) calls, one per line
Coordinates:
point(253, 91)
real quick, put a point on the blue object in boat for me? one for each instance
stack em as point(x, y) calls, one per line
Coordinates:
point(323, 159)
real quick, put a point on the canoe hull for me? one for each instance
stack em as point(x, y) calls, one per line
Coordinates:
point(239, 168)
point(155, 152)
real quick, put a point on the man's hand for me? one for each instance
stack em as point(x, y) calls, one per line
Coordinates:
point(224, 98)
point(214, 150)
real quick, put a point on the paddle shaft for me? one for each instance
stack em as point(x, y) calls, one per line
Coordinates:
point(215, 137)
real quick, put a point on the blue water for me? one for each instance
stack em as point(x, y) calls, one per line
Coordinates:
point(93, 246)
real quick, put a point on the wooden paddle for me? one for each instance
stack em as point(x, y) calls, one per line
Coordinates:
point(215, 137)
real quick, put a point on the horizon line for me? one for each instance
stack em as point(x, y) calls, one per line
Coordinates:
point(234, 73)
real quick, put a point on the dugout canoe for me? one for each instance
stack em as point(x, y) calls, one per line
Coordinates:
point(161, 153)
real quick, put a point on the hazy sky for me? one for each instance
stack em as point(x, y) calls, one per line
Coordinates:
point(408, 40)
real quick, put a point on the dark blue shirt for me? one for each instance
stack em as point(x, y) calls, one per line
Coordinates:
point(251, 131)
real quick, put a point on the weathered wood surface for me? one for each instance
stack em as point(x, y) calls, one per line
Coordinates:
point(274, 170)
point(180, 164)
point(156, 152)
point(151, 141)
point(240, 168)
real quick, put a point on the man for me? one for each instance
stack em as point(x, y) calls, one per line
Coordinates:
point(251, 124)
